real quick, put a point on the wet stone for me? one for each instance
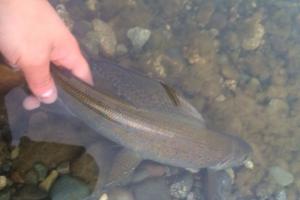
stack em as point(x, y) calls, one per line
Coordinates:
point(4, 152)
point(91, 4)
point(138, 37)
point(120, 194)
point(56, 153)
point(69, 188)
point(278, 107)
point(31, 177)
point(252, 32)
point(5, 194)
point(64, 15)
point(121, 49)
point(15, 153)
point(90, 44)
point(81, 28)
point(264, 190)
point(182, 186)
point(281, 176)
point(3, 182)
point(48, 182)
point(105, 36)
point(86, 168)
point(63, 168)
point(41, 171)
point(9, 79)
point(281, 195)
point(154, 188)
point(253, 86)
point(205, 12)
point(30, 192)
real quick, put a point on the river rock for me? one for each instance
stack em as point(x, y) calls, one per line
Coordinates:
point(5, 194)
point(41, 171)
point(50, 154)
point(182, 186)
point(30, 192)
point(120, 194)
point(252, 32)
point(154, 188)
point(281, 176)
point(69, 188)
point(281, 195)
point(64, 15)
point(3, 182)
point(9, 79)
point(4, 152)
point(138, 37)
point(105, 36)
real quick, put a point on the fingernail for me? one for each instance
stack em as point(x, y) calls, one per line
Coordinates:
point(49, 96)
point(31, 103)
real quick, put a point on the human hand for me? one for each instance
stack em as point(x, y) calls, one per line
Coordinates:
point(31, 36)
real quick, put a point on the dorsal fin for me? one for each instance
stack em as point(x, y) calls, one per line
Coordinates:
point(181, 102)
point(171, 93)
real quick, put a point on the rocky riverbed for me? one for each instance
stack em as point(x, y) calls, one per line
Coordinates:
point(236, 61)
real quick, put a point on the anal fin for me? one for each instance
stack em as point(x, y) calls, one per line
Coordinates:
point(124, 164)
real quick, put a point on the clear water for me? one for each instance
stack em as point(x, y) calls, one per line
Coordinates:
point(236, 61)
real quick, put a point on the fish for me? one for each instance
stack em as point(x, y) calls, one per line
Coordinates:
point(149, 119)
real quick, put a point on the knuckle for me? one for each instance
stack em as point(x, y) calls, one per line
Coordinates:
point(39, 87)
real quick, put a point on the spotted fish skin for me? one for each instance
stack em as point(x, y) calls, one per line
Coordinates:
point(170, 131)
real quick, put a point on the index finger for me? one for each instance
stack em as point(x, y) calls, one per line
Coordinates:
point(68, 55)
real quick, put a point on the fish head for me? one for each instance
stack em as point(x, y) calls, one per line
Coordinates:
point(240, 152)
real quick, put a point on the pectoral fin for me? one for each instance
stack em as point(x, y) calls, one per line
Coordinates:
point(17, 116)
point(125, 162)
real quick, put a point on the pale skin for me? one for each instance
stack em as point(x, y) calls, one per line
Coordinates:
point(31, 37)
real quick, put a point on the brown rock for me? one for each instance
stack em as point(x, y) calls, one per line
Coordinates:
point(9, 78)
point(50, 154)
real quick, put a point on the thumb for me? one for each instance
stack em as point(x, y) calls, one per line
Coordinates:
point(40, 81)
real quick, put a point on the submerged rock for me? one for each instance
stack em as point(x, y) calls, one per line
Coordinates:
point(3, 182)
point(49, 180)
point(9, 79)
point(69, 188)
point(105, 37)
point(182, 187)
point(64, 15)
point(120, 194)
point(281, 195)
point(30, 192)
point(281, 176)
point(252, 32)
point(138, 37)
point(28, 156)
point(91, 4)
point(155, 188)
point(5, 194)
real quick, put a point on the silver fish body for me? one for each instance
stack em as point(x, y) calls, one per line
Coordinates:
point(142, 117)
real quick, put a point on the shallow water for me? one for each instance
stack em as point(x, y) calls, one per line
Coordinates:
point(236, 61)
